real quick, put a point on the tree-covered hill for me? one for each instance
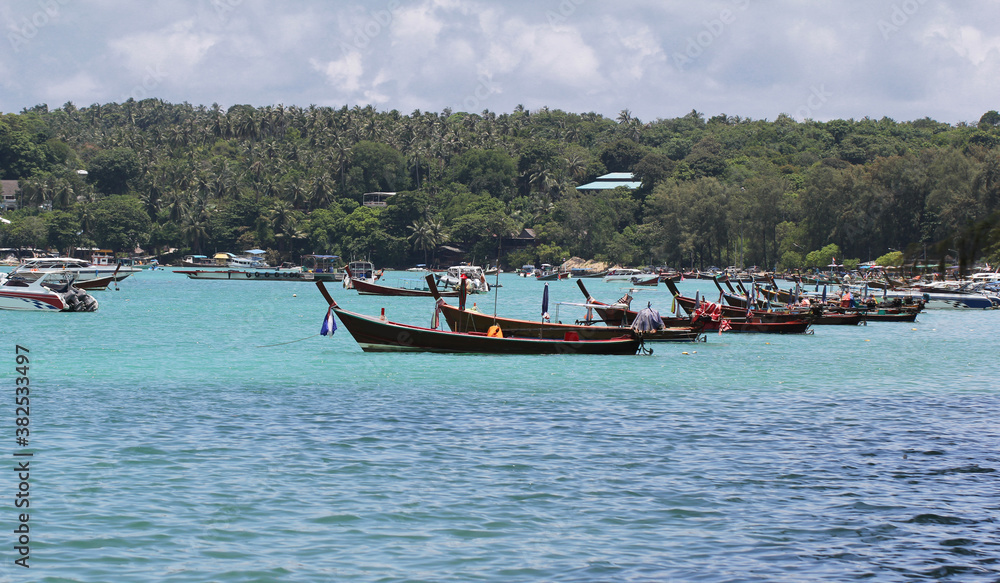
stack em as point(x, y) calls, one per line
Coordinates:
point(723, 191)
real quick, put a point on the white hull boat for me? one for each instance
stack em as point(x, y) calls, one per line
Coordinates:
point(44, 294)
point(79, 269)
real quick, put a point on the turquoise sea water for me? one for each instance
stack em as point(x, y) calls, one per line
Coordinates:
point(176, 438)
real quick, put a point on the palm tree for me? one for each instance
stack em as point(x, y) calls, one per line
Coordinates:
point(342, 153)
point(176, 204)
point(283, 218)
point(297, 195)
point(576, 164)
point(420, 237)
point(194, 231)
point(426, 235)
point(322, 191)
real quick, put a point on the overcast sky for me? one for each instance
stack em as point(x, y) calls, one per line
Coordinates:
point(905, 59)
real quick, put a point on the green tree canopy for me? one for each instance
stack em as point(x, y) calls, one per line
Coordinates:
point(113, 171)
point(119, 223)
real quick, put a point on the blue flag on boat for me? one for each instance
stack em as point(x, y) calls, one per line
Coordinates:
point(824, 294)
point(329, 324)
point(545, 302)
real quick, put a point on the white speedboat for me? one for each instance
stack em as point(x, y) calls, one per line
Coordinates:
point(957, 300)
point(475, 278)
point(252, 259)
point(79, 269)
point(624, 274)
point(49, 292)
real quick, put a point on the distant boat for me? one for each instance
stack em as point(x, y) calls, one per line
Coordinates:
point(249, 275)
point(625, 274)
point(475, 278)
point(323, 267)
point(360, 271)
point(80, 269)
point(550, 273)
point(408, 288)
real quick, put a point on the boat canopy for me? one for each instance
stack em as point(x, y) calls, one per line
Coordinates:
point(647, 320)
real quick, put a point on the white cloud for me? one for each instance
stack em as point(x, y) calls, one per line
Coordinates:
point(415, 28)
point(640, 52)
point(81, 88)
point(344, 73)
point(179, 44)
point(604, 57)
point(969, 42)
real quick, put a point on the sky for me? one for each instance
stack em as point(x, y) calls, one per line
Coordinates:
point(658, 59)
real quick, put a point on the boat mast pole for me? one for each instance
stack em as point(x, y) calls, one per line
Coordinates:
point(497, 284)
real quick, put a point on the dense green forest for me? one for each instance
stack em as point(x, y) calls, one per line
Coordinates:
point(718, 191)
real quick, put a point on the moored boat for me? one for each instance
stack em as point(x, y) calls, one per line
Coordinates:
point(80, 269)
point(48, 293)
point(466, 320)
point(406, 288)
point(323, 267)
point(624, 274)
point(201, 261)
point(715, 316)
point(376, 334)
point(647, 280)
point(247, 275)
point(475, 278)
point(363, 271)
point(549, 273)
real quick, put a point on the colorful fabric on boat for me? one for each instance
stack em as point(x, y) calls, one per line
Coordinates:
point(647, 320)
point(329, 324)
point(710, 309)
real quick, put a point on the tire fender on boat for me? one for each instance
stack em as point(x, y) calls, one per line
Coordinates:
point(255, 275)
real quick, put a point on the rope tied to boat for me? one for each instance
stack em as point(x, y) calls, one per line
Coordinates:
point(289, 342)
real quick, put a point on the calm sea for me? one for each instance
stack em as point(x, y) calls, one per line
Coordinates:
point(202, 431)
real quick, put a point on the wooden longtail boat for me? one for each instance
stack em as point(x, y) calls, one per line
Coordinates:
point(755, 325)
point(460, 320)
point(817, 317)
point(649, 281)
point(738, 322)
point(883, 316)
point(467, 321)
point(379, 335)
point(621, 315)
point(375, 289)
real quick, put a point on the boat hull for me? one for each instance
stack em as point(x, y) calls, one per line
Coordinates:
point(468, 321)
point(240, 275)
point(374, 289)
point(890, 317)
point(31, 302)
point(41, 295)
point(375, 335)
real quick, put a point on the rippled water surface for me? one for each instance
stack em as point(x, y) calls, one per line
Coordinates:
point(199, 431)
